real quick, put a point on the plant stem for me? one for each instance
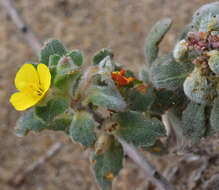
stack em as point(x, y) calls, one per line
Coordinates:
point(145, 165)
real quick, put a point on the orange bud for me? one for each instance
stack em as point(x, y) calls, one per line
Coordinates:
point(120, 79)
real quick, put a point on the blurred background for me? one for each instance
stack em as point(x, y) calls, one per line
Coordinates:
point(87, 25)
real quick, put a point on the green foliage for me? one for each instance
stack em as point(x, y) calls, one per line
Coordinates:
point(206, 17)
point(194, 119)
point(51, 47)
point(140, 98)
point(165, 100)
point(99, 56)
point(188, 28)
point(166, 73)
point(144, 75)
point(61, 122)
point(82, 129)
point(66, 73)
point(76, 57)
point(107, 160)
point(180, 50)
point(28, 122)
point(154, 38)
point(138, 129)
point(54, 108)
point(213, 62)
point(105, 96)
point(54, 60)
point(197, 87)
point(214, 118)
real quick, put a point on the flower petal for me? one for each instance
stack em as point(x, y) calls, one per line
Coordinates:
point(22, 101)
point(25, 76)
point(45, 76)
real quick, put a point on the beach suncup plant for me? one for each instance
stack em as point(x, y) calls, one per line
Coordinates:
point(63, 97)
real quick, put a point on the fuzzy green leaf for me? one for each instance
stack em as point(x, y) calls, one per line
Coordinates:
point(107, 161)
point(61, 122)
point(76, 57)
point(51, 47)
point(180, 50)
point(206, 18)
point(138, 129)
point(213, 63)
point(63, 81)
point(197, 88)
point(166, 73)
point(82, 129)
point(214, 118)
point(53, 108)
point(140, 98)
point(154, 38)
point(54, 60)
point(188, 28)
point(193, 121)
point(144, 75)
point(67, 71)
point(105, 96)
point(99, 56)
point(28, 122)
point(167, 99)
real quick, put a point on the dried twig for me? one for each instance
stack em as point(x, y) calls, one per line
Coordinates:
point(17, 179)
point(145, 165)
point(30, 37)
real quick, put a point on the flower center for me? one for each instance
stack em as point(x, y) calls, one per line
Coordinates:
point(36, 90)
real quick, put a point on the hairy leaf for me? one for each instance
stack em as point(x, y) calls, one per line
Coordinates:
point(154, 38)
point(99, 56)
point(105, 96)
point(193, 119)
point(76, 57)
point(197, 88)
point(82, 129)
point(53, 108)
point(51, 47)
point(206, 18)
point(166, 99)
point(107, 161)
point(137, 129)
point(28, 122)
point(214, 118)
point(140, 98)
point(166, 73)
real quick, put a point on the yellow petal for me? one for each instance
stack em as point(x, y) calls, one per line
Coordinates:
point(25, 76)
point(44, 76)
point(22, 101)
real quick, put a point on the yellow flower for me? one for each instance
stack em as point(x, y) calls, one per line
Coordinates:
point(32, 84)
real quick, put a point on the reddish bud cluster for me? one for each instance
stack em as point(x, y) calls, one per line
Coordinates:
point(203, 41)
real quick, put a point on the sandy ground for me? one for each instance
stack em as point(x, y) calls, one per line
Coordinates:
point(88, 25)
